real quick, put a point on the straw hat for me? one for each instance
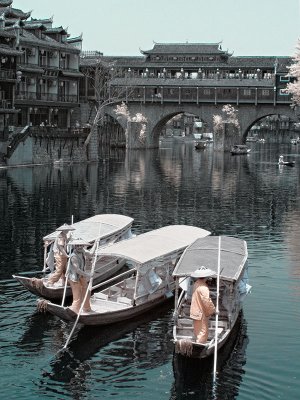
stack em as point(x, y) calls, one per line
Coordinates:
point(79, 242)
point(202, 272)
point(65, 227)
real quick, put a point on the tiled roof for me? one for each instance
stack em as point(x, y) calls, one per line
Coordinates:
point(8, 33)
point(13, 21)
point(5, 3)
point(185, 48)
point(45, 21)
point(6, 50)
point(258, 61)
point(36, 25)
point(74, 39)
point(232, 62)
point(73, 74)
point(123, 62)
point(59, 29)
point(15, 12)
point(27, 37)
point(31, 68)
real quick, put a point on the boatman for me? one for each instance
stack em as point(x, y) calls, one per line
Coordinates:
point(201, 305)
point(60, 254)
point(79, 276)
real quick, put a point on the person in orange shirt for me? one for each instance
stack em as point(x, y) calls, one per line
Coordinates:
point(201, 305)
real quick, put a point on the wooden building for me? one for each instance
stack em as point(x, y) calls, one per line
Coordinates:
point(46, 68)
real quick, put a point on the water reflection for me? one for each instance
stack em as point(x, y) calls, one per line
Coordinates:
point(143, 342)
point(245, 196)
point(194, 378)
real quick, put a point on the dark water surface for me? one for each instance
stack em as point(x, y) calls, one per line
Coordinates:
point(246, 196)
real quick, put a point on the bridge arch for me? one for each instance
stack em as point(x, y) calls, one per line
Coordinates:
point(288, 113)
point(157, 114)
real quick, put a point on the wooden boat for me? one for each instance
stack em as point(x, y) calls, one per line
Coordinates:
point(287, 163)
point(149, 283)
point(240, 149)
point(108, 228)
point(251, 139)
point(201, 145)
point(233, 288)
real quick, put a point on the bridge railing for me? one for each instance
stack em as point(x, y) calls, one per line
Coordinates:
point(207, 94)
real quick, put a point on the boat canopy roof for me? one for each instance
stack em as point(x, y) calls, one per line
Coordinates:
point(204, 252)
point(101, 225)
point(155, 244)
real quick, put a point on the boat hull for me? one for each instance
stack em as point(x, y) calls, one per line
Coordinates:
point(205, 351)
point(104, 317)
point(39, 288)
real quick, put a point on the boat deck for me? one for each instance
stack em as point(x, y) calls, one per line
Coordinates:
point(184, 326)
point(103, 305)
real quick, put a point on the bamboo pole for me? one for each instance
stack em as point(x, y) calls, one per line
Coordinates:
point(217, 312)
point(66, 281)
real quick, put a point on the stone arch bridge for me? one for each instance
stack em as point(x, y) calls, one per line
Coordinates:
point(161, 99)
point(158, 114)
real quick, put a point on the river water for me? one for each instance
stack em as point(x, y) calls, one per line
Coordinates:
point(245, 196)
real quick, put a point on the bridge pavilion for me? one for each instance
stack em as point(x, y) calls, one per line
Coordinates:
point(188, 76)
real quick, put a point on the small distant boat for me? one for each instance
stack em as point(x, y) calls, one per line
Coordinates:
point(149, 282)
point(240, 149)
point(233, 288)
point(109, 228)
point(201, 145)
point(287, 163)
point(251, 139)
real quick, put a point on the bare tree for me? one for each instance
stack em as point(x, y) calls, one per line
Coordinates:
point(100, 76)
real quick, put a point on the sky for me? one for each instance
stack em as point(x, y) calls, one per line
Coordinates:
point(124, 27)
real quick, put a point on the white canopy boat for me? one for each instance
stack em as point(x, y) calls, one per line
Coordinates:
point(108, 228)
point(152, 256)
point(233, 288)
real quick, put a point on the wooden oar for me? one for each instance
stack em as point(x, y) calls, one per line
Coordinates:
point(217, 313)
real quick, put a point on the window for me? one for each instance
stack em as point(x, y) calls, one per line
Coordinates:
point(284, 92)
point(284, 78)
point(265, 92)
point(206, 91)
point(247, 92)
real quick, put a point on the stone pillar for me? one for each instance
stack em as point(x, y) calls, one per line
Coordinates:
point(135, 138)
point(225, 136)
point(92, 148)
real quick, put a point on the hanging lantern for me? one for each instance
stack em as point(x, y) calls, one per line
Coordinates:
point(19, 76)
